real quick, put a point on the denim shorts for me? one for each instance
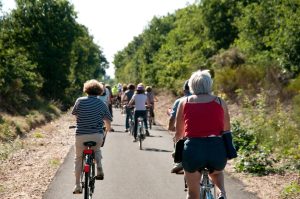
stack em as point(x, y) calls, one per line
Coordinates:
point(200, 153)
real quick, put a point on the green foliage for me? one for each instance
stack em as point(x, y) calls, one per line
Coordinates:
point(291, 191)
point(265, 136)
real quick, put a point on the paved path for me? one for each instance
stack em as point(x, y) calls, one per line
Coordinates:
point(131, 173)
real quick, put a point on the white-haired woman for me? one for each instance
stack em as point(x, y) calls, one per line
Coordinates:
point(201, 118)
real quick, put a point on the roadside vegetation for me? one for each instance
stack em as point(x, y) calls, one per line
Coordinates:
point(45, 57)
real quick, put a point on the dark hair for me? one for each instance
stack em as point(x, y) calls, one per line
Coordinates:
point(140, 91)
point(131, 87)
point(186, 85)
point(148, 89)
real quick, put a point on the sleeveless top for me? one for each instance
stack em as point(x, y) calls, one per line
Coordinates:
point(140, 102)
point(203, 119)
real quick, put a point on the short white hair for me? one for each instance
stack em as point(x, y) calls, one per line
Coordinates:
point(200, 82)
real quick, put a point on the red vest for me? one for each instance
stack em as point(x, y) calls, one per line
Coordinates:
point(203, 119)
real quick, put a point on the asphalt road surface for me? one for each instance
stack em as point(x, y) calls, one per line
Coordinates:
point(131, 173)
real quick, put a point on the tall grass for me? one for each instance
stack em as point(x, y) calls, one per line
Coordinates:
point(274, 132)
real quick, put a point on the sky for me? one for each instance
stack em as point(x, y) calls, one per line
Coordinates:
point(114, 23)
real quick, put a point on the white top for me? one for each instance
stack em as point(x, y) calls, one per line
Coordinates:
point(140, 101)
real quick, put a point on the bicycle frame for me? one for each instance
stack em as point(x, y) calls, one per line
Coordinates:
point(206, 186)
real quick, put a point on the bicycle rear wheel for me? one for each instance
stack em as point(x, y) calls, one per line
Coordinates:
point(86, 185)
point(140, 138)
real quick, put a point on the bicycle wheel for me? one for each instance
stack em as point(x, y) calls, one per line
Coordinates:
point(209, 195)
point(86, 185)
point(140, 137)
point(131, 127)
point(92, 179)
point(150, 122)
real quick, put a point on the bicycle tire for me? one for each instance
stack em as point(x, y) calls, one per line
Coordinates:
point(209, 195)
point(150, 122)
point(131, 127)
point(92, 179)
point(140, 138)
point(86, 185)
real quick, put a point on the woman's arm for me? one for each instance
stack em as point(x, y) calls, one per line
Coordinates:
point(226, 116)
point(179, 126)
point(107, 124)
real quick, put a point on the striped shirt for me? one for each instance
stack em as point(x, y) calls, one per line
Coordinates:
point(90, 112)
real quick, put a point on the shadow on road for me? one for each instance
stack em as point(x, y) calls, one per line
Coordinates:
point(155, 136)
point(156, 150)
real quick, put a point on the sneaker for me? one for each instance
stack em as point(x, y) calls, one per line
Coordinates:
point(154, 123)
point(177, 168)
point(173, 154)
point(126, 130)
point(112, 130)
point(134, 140)
point(100, 174)
point(77, 189)
point(221, 196)
point(147, 132)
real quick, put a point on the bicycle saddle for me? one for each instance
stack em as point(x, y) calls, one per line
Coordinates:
point(89, 143)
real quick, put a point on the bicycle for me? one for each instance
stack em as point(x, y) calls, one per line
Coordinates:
point(207, 188)
point(140, 131)
point(88, 177)
point(88, 173)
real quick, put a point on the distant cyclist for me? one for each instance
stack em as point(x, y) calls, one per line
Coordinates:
point(140, 100)
point(125, 100)
point(152, 98)
point(106, 98)
point(91, 114)
point(186, 92)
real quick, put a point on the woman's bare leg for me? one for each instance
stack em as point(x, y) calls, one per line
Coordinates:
point(218, 179)
point(193, 183)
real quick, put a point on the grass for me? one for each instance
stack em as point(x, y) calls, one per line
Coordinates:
point(267, 137)
point(38, 135)
point(55, 162)
point(292, 191)
point(9, 147)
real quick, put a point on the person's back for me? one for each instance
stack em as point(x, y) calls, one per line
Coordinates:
point(140, 100)
point(125, 100)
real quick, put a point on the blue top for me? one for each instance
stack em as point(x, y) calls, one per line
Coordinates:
point(90, 112)
point(175, 105)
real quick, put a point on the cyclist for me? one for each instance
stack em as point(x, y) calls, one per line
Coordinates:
point(125, 99)
point(140, 100)
point(114, 92)
point(91, 113)
point(201, 118)
point(152, 98)
point(186, 91)
point(106, 98)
